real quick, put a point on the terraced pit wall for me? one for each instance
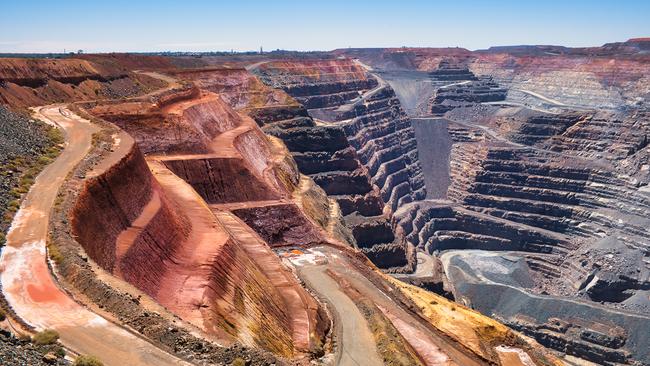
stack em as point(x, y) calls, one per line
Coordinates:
point(545, 164)
point(108, 219)
point(361, 152)
point(233, 170)
point(590, 82)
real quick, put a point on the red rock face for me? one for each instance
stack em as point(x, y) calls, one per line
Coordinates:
point(141, 261)
point(202, 263)
point(109, 204)
point(222, 180)
point(183, 122)
point(128, 61)
point(302, 72)
point(22, 71)
point(614, 71)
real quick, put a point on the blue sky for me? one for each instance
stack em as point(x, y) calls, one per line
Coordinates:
point(202, 25)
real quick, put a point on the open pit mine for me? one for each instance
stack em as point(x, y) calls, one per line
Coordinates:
point(407, 206)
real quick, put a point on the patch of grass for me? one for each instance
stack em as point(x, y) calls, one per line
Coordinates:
point(13, 206)
point(86, 360)
point(55, 136)
point(16, 193)
point(44, 160)
point(54, 252)
point(59, 200)
point(238, 362)
point(103, 136)
point(48, 336)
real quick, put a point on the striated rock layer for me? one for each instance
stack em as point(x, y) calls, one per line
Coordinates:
point(356, 142)
point(200, 260)
point(547, 189)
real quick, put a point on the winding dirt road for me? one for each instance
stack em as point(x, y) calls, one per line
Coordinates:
point(356, 339)
point(27, 283)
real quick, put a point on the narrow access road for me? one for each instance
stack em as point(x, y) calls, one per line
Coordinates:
point(356, 344)
point(539, 96)
point(355, 338)
point(26, 280)
point(424, 269)
point(515, 104)
point(446, 86)
point(381, 84)
point(254, 66)
point(172, 83)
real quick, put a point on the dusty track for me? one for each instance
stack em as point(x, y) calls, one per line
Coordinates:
point(356, 342)
point(363, 98)
point(27, 283)
point(354, 333)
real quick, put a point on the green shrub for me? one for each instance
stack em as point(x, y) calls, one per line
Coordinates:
point(60, 352)
point(13, 205)
point(48, 336)
point(84, 360)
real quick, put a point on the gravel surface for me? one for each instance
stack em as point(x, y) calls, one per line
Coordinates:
point(14, 351)
point(20, 137)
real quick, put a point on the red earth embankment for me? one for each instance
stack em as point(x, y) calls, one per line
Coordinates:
point(316, 71)
point(163, 240)
point(219, 277)
point(221, 180)
point(237, 87)
point(31, 82)
point(109, 203)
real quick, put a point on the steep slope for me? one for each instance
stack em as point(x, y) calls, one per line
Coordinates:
point(282, 116)
point(355, 142)
point(203, 270)
point(29, 289)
